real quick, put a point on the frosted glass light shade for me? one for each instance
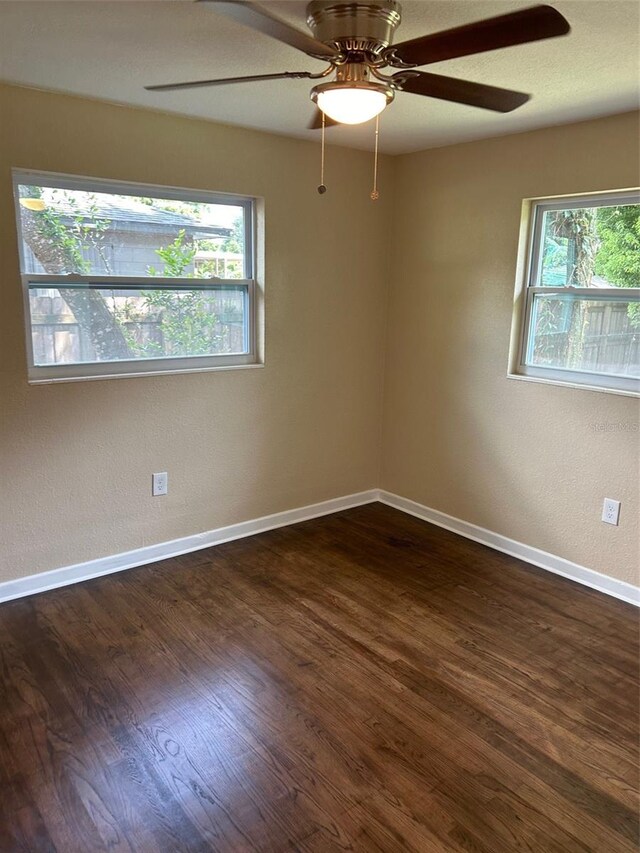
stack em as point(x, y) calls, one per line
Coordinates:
point(352, 105)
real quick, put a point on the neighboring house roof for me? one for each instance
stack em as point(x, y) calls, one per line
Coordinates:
point(127, 209)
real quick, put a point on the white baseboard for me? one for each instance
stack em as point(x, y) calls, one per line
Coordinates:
point(162, 551)
point(558, 565)
point(152, 553)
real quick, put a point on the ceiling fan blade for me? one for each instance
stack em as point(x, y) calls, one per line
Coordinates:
point(526, 25)
point(222, 81)
point(258, 18)
point(316, 121)
point(460, 91)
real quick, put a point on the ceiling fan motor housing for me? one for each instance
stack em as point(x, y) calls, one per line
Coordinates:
point(354, 27)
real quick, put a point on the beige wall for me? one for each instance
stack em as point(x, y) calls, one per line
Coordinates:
point(76, 459)
point(518, 458)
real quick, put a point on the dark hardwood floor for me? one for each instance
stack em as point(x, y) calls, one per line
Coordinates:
point(364, 682)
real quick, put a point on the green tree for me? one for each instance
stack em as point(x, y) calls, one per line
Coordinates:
point(185, 319)
point(235, 243)
point(577, 226)
point(57, 245)
point(618, 259)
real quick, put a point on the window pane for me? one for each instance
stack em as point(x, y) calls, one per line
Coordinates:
point(74, 325)
point(591, 247)
point(97, 233)
point(575, 333)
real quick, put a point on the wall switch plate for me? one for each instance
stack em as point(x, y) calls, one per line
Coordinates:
point(159, 484)
point(610, 511)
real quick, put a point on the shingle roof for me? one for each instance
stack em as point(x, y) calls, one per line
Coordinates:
point(127, 209)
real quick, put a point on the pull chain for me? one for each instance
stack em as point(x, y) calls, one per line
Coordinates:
point(375, 195)
point(322, 189)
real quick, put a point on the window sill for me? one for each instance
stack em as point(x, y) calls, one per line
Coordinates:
point(568, 383)
point(54, 380)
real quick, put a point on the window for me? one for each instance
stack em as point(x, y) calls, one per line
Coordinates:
point(580, 318)
point(123, 279)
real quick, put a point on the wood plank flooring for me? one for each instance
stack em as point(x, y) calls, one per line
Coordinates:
point(362, 682)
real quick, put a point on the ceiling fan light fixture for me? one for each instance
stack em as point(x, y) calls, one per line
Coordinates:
point(352, 103)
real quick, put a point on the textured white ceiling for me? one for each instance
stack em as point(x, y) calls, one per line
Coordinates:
point(110, 50)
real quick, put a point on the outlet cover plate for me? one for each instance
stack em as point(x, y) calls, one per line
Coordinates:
point(159, 484)
point(611, 511)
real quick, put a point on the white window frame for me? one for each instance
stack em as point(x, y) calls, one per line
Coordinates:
point(528, 285)
point(45, 374)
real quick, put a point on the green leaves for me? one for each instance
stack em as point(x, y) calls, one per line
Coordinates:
point(618, 258)
point(185, 320)
point(177, 257)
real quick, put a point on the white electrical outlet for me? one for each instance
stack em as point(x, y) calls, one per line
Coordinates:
point(610, 511)
point(159, 484)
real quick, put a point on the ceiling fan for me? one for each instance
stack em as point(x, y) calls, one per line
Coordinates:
point(356, 40)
